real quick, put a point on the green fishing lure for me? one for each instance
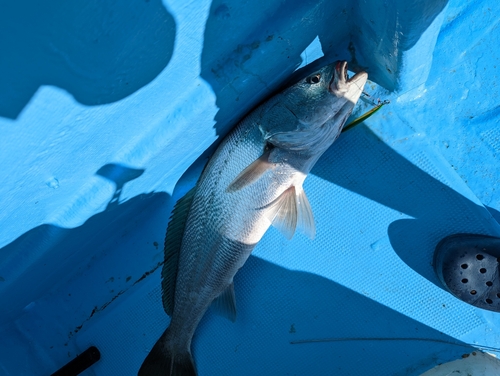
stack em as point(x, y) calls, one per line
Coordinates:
point(366, 115)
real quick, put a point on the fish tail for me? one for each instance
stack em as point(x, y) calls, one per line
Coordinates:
point(165, 362)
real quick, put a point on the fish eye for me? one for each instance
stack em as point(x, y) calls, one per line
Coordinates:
point(314, 79)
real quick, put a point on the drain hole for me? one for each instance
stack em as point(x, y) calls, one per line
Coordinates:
point(464, 266)
point(489, 301)
point(498, 260)
point(498, 295)
point(489, 283)
point(480, 257)
point(473, 292)
point(465, 280)
point(482, 270)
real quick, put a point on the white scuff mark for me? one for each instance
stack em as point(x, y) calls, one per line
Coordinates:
point(476, 363)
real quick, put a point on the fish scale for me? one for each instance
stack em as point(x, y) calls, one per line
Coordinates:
point(253, 180)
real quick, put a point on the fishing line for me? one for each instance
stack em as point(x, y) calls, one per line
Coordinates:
point(375, 102)
point(350, 339)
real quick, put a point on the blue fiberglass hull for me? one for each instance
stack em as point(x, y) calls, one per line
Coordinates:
point(108, 111)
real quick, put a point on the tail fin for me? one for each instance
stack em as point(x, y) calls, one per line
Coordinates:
point(161, 361)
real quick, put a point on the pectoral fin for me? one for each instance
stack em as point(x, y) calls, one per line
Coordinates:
point(251, 174)
point(173, 241)
point(225, 303)
point(292, 210)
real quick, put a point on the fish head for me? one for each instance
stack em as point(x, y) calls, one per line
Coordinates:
point(313, 106)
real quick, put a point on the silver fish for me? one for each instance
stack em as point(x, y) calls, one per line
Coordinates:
point(253, 180)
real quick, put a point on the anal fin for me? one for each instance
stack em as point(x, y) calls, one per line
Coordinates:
point(225, 303)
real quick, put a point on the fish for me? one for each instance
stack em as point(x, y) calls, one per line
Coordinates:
point(253, 180)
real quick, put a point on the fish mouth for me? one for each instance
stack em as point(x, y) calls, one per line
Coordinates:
point(341, 83)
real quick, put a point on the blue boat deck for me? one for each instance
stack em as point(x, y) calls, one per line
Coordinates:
point(115, 123)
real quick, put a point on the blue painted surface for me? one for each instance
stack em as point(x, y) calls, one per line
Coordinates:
point(107, 114)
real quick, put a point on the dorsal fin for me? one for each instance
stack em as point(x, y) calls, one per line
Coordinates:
point(173, 242)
